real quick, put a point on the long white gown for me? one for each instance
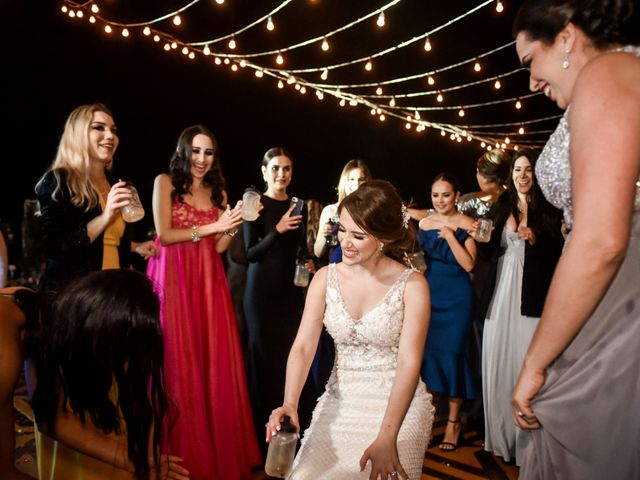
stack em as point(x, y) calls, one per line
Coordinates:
point(506, 338)
point(348, 415)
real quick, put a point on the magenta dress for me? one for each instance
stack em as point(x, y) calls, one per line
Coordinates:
point(210, 424)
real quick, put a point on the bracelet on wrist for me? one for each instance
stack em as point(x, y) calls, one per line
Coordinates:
point(195, 236)
point(231, 233)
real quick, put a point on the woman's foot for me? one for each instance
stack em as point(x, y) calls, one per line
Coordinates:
point(451, 435)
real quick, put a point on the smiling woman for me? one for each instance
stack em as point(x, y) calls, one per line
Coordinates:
point(84, 230)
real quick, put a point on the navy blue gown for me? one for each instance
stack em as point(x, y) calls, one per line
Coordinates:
point(445, 367)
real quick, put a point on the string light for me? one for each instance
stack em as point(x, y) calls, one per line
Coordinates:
point(232, 44)
point(79, 14)
point(368, 66)
point(94, 8)
point(325, 74)
point(234, 67)
point(177, 20)
point(146, 31)
point(477, 67)
point(107, 28)
point(279, 59)
point(427, 44)
point(270, 25)
point(461, 113)
point(325, 44)
point(499, 6)
point(379, 91)
point(431, 80)
point(64, 9)
point(259, 73)
point(92, 19)
point(392, 102)
point(72, 13)
point(497, 85)
point(280, 84)
point(439, 98)
point(219, 2)
point(125, 32)
point(380, 21)
point(217, 61)
point(521, 130)
point(207, 51)
point(518, 105)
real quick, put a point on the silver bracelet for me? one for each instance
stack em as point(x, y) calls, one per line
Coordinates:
point(195, 236)
point(231, 233)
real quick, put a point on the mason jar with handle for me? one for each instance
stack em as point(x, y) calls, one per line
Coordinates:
point(282, 449)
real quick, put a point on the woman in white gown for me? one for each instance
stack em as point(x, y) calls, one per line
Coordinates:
point(374, 419)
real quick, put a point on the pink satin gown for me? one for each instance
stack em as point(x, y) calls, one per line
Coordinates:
point(212, 428)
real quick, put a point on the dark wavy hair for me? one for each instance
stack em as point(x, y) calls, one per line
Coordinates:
point(376, 207)
point(494, 166)
point(542, 215)
point(180, 167)
point(448, 177)
point(605, 22)
point(103, 331)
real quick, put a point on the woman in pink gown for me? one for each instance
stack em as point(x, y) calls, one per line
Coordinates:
point(211, 425)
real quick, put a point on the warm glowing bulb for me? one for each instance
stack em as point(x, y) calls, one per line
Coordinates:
point(461, 113)
point(482, 144)
point(243, 63)
point(489, 148)
point(392, 102)
point(92, 19)
point(291, 80)
point(280, 84)
point(232, 44)
point(219, 2)
point(147, 31)
point(380, 21)
point(177, 20)
point(499, 7)
point(342, 103)
point(477, 67)
point(192, 55)
point(325, 45)
point(279, 59)
point(407, 125)
point(497, 85)
point(469, 138)
point(303, 90)
point(107, 28)
point(217, 61)
point(353, 102)
point(206, 50)
point(234, 67)
point(325, 74)
point(516, 148)
point(270, 25)
point(372, 111)
point(378, 111)
point(185, 50)
point(368, 66)
point(259, 73)
point(379, 91)
point(72, 13)
point(440, 98)
point(167, 47)
point(452, 136)
point(94, 8)
point(427, 44)
point(431, 80)
point(382, 118)
point(503, 146)
point(174, 45)
point(125, 32)
point(80, 14)
point(442, 133)
point(416, 114)
point(507, 141)
point(521, 130)
point(518, 105)
point(320, 95)
point(64, 9)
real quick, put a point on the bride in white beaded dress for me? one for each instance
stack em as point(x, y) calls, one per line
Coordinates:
point(374, 419)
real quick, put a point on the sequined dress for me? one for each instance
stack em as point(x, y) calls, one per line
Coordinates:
point(589, 404)
point(348, 415)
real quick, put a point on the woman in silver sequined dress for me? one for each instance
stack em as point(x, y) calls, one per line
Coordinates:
point(579, 387)
point(375, 417)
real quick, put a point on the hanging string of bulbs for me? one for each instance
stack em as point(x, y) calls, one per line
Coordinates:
point(345, 93)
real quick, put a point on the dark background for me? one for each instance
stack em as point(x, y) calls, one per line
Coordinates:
point(52, 63)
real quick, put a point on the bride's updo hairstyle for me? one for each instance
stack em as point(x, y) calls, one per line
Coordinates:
point(605, 22)
point(377, 208)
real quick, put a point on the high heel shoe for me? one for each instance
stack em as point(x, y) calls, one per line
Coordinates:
point(450, 446)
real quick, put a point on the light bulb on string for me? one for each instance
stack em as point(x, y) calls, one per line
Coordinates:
point(270, 25)
point(372, 111)
point(477, 67)
point(320, 95)
point(232, 44)
point(452, 137)
point(219, 2)
point(382, 117)
point(303, 90)
point(392, 102)
point(80, 14)
point(226, 61)
point(507, 141)
point(259, 73)
point(243, 63)
point(407, 125)
point(427, 44)
point(380, 21)
point(516, 148)
point(291, 80)
point(234, 67)
point(342, 102)
point(497, 85)
point(94, 8)
point(503, 146)
point(325, 74)
point(461, 113)
point(192, 55)
point(439, 98)
point(442, 133)
point(499, 6)
point(353, 102)
point(146, 31)
point(185, 50)
point(64, 9)
point(174, 45)
point(167, 47)
point(217, 61)
point(518, 105)
point(378, 111)
point(325, 45)
point(177, 20)
point(431, 80)
point(125, 32)
point(368, 66)
point(92, 19)
point(107, 28)
point(72, 13)
point(280, 84)
point(416, 115)
point(521, 130)
point(482, 144)
point(489, 148)
point(206, 50)
point(379, 91)
point(279, 59)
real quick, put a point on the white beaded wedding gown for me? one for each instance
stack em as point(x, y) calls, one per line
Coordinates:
point(348, 415)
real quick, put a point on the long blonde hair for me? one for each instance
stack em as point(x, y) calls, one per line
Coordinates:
point(73, 157)
point(351, 165)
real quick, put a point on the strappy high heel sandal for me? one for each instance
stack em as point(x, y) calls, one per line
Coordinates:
point(449, 446)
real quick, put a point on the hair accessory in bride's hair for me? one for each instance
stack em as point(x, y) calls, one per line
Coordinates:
point(405, 216)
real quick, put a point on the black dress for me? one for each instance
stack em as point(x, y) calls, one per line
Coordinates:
point(69, 253)
point(273, 308)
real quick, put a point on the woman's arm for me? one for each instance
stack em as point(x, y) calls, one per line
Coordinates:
point(605, 162)
point(465, 254)
point(168, 235)
point(383, 451)
point(302, 352)
point(118, 197)
point(320, 245)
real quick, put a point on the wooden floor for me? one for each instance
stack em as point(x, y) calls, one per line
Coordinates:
point(468, 462)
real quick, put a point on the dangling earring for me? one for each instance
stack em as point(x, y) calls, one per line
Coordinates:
point(565, 62)
point(381, 247)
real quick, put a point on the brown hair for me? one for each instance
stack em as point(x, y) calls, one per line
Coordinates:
point(494, 165)
point(377, 208)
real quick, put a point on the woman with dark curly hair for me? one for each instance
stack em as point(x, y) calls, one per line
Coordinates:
point(578, 388)
point(204, 367)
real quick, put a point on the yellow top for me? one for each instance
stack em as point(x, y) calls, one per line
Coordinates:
point(111, 240)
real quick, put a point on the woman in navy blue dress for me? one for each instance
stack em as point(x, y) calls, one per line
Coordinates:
point(450, 253)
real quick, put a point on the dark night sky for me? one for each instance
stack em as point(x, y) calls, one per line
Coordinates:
point(52, 64)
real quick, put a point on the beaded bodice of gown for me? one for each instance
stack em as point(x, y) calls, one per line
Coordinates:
point(553, 168)
point(370, 342)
